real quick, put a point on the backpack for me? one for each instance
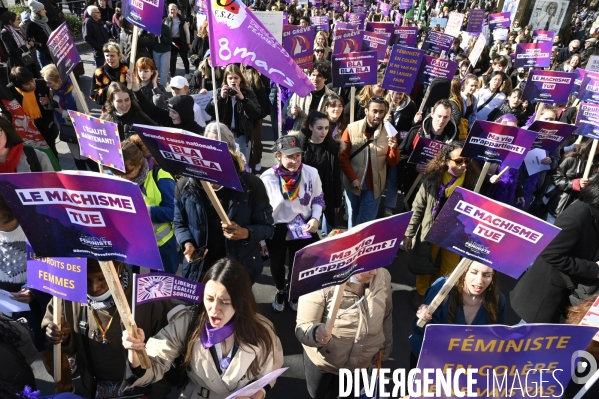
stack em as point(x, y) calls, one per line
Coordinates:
point(463, 126)
point(32, 160)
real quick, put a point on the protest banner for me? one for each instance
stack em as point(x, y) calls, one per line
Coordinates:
point(442, 22)
point(593, 64)
point(361, 10)
point(355, 18)
point(589, 87)
point(405, 36)
point(345, 26)
point(432, 67)
point(63, 51)
point(398, 18)
point(587, 120)
point(200, 7)
point(402, 69)
point(533, 55)
point(354, 69)
point(500, 34)
point(298, 42)
point(502, 361)
point(406, 4)
point(144, 14)
point(314, 4)
point(376, 42)
point(383, 28)
point(237, 36)
point(543, 36)
point(350, 42)
point(385, 8)
point(98, 140)
point(183, 153)
point(476, 19)
point(321, 23)
point(548, 86)
point(477, 50)
point(500, 20)
point(454, 23)
point(251, 389)
point(550, 135)
point(424, 150)
point(336, 5)
point(333, 261)
point(465, 43)
point(162, 286)
point(273, 22)
point(437, 42)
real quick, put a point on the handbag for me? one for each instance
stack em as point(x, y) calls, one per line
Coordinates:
point(67, 133)
point(27, 59)
point(420, 260)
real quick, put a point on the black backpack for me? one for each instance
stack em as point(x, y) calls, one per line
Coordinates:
point(32, 160)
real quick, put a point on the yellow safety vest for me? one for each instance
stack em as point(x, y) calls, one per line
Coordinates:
point(153, 197)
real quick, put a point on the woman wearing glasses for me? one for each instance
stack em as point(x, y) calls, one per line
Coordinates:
point(443, 174)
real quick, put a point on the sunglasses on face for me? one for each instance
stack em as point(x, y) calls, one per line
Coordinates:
point(319, 51)
point(461, 161)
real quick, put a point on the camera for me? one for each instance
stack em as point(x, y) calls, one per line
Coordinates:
point(231, 92)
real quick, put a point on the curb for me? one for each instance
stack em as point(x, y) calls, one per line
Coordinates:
point(82, 46)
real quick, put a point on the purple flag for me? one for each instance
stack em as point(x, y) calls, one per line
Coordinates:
point(236, 35)
point(321, 23)
point(502, 355)
point(63, 51)
point(84, 214)
point(589, 87)
point(499, 21)
point(533, 55)
point(182, 153)
point(354, 69)
point(162, 286)
point(376, 42)
point(479, 228)
point(298, 42)
point(145, 14)
point(385, 8)
point(405, 4)
point(497, 143)
point(64, 278)
point(425, 150)
point(548, 86)
point(437, 42)
point(587, 120)
point(383, 28)
point(350, 42)
point(550, 135)
point(542, 36)
point(454, 23)
point(98, 140)
point(398, 18)
point(333, 261)
point(476, 20)
point(402, 70)
point(432, 67)
point(405, 36)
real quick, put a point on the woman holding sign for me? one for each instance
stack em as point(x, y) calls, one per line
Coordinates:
point(443, 174)
point(224, 341)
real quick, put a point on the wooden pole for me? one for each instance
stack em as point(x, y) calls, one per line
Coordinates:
point(409, 194)
point(215, 202)
point(133, 296)
point(79, 94)
point(587, 169)
point(352, 104)
point(481, 178)
point(118, 295)
point(57, 319)
point(337, 296)
point(134, 39)
point(503, 172)
point(539, 111)
point(579, 140)
point(449, 283)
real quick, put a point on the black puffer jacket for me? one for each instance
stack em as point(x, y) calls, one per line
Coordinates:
point(247, 111)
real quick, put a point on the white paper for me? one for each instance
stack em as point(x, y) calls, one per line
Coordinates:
point(532, 160)
point(593, 64)
point(500, 34)
point(9, 305)
point(257, 385)
point(273, 21)
point(202, 100)
point(391, 132)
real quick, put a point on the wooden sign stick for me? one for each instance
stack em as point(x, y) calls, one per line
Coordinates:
point(587, 169)
point(579, 140)
point(352, 103)
point(118, 295)
point(215, 202)
point(57, 319)
point(133, 54)
point(337, 296)
point(79, 93)
point(503, 172)
point(481, 178)
point(409, 194)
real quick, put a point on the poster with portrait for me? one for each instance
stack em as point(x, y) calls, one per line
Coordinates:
point(548, 14)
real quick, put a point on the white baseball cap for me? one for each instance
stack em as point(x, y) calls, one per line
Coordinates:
point(179, 82)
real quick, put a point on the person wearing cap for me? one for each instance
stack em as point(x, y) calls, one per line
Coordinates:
point(297, 200)
point(39, 32)
point(180, 86)
point(94, 34)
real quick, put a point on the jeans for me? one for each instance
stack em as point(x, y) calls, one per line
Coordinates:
point(391, 186)
point(162, 61)
point(321, 384)
point(99, 58)
point(361, 208)
point(550, 218)
point(243, 145)
point(326, 226)
point(42, 59)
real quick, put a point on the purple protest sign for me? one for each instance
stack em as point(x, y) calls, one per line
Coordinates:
point(376, 42)
point(402, 70)
point(145, 14)
point(405, 36)
point(63, 51)
point(476, 20)
point(550, 135)
point(362, 10)
point(425, 150)
point(350, 42)
point(162, 286)
point(454, 23)
point(354, 69)
point(481, 229)
point(385, 8)
point(200, 7)
point(187, 154)
point(406, 4)
point(355, 18)
point(542, 36)
point(345, 25)
point(587, 120)
point(548, 86)
point(333, 261)
point(494, 142)
point(533, 55)
point(336, 5)
point(437, 42)
point(64, 278)
point(357, 3)
point(315, 4)
point(298, 41)
point(589, 87)
point(82, 214)
point(98, 140)
point(500, 20)
point(432, 67)
point(398, 18)
point(383, 28)
point(321, 23)
point(490, 351)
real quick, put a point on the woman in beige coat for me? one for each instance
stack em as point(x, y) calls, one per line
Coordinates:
point(362, 328)
point(225, 343)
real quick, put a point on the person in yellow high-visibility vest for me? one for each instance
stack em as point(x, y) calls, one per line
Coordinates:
point(158, 189)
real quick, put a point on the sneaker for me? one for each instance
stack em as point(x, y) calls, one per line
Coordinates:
point(293, 305)
point(278, 304)
point(258, 167)
point(388, 212)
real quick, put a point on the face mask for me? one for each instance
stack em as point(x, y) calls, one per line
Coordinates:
point(100, 298)
point(353, 280)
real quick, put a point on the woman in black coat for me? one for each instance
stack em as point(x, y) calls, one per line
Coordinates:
point(122, 109)
point(15, 43)
point(566, 272)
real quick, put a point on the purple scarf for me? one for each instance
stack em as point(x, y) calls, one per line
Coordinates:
point(215, 335)
point(441, 194)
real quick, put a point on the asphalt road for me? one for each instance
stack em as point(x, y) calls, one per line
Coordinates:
point(292, 385)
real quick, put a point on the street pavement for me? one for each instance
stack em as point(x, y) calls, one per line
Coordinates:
point(291, 385)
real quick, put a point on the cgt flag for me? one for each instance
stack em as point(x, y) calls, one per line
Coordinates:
point(236, 35)
point(162, 286)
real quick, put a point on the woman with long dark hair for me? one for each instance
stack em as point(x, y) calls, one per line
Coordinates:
point(225, 329)
point(490, 97)
point(333, 108)
point(15, 43)
point(122, 109)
